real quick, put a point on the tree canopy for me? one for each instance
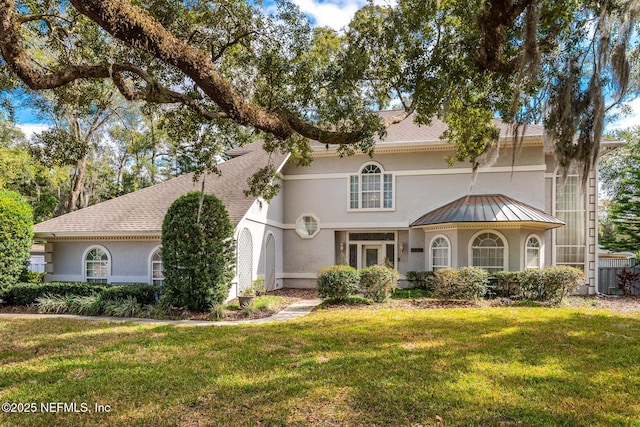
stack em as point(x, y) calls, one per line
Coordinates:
point(620, 174)
point(230, 63)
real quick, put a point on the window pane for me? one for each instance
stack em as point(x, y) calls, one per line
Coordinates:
point(570, 208)
point(354, 192)
point(488, 252)
point(388, 191)
point(390, 256)
point(439, 254)
point(353, 256)
point(371, 191)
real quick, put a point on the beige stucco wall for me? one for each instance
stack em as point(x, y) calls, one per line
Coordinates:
point(422, 182)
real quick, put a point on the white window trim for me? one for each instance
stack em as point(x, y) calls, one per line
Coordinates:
point(540, 254)
point(430, 251)
point(554, 248)
point(302, 234)
point(359, 175)
point(505, 260)
point(84, 261)
point(150, 263)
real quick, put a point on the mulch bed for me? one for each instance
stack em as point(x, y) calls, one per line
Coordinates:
point(619, 304)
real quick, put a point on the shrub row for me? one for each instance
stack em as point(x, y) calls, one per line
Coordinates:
point(92, 305)
point(466, 283)
point(377, 282)
point(338, 282)
point(28, 293)
point(547, 284)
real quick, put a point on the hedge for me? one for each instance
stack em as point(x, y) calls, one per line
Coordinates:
point(28, 293)
point(466, 283)
point(377, 282)
point(337, 282)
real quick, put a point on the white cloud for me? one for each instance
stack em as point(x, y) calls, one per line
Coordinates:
point(30, 128)
point(629, 120)
point(334, 14)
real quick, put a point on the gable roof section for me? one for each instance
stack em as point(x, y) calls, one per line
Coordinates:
point(486, 208)
point(142, 212)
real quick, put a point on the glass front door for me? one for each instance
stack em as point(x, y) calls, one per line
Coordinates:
point(371, 255)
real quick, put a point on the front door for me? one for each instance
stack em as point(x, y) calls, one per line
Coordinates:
point(371, 255)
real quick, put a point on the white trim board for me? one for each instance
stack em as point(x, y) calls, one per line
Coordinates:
point(421, 172)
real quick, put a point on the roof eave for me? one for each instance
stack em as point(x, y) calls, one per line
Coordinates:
point(535, 225)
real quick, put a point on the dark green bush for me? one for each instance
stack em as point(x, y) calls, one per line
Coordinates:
point(31, 277)
point(377, 282)
point(547, 284)
point(561, 280)
point(420, 279)
point(337, 282)
point(16, 235)
point(143, 293)
point(27, 293)
point(197, 252)
point(505, 284)
point(467, 283)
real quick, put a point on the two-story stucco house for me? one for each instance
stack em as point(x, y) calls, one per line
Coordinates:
point(403, 206)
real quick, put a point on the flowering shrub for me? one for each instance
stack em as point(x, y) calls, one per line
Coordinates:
point(378, 281)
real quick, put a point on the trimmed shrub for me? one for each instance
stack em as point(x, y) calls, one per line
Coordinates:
point(377, 282)
point(28, 293)
point(532, 285)
point(505, 284)
point(420, 279)
point(547, 284)
point(561, 280)
point(31, 277)
point(143, 293)
point(197, 252)
point(16, 236)
point(467, 283)
point(337, 282)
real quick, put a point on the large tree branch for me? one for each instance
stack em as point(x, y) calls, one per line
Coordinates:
point(136, 28)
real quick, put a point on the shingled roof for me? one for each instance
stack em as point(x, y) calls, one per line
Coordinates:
point(487, 208)
point(142, 212)
point(407, 131)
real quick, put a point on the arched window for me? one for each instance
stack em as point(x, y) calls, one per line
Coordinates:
point(371, 189)
point(157, 276)
point(96, 266)
point(532, 252)
point(440, 253)
point(488, 251)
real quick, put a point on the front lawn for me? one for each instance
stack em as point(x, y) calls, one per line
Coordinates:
point(471, 366)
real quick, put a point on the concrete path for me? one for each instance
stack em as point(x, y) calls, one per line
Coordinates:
point(295, 310)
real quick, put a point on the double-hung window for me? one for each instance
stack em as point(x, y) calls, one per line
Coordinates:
point(372, 188)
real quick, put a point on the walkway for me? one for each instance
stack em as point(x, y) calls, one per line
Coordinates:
point(295, 310)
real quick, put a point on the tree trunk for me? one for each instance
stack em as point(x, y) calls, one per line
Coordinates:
point(77, 184)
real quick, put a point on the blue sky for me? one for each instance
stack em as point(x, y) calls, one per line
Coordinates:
point(335, 14)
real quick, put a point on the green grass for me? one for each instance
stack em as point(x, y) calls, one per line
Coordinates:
point(399, 293)
point(486, 366)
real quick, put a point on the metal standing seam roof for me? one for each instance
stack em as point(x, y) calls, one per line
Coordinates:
point(143, 211)
point(486, 208)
